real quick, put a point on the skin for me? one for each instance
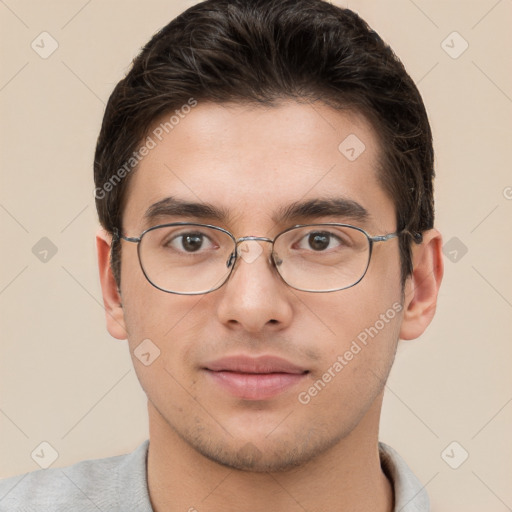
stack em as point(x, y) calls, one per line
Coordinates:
point(215, 452)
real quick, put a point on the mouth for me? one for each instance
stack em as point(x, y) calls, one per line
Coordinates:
point(251, 378)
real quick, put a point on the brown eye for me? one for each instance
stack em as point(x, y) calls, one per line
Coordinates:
point(190, 242)
point(319, 241)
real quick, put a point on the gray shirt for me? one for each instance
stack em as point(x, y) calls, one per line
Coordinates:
point(119, 484)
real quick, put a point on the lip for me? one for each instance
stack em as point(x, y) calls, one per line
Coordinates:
point(254, 378)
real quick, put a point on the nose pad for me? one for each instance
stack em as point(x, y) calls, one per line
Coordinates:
point(231, 259)
point(250, 251)
point(276, 259)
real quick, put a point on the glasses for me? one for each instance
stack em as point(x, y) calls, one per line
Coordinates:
point(193, 259)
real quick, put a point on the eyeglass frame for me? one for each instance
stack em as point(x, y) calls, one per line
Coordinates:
point(116, 236)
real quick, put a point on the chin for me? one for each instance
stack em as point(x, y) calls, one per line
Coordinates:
point(266, 456)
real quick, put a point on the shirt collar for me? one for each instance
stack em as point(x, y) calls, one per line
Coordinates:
point(410, 495)
point(132, 485)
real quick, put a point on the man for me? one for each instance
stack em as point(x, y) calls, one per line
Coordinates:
point(264, 184)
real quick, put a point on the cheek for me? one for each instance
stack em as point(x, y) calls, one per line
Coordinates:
point(355, 366)
point(363, 329)
point(363, 325)
point(383, 276)
point(148, 311)
point(170, 322)
point(346, 314)
point(160, 342)
point(173, 324)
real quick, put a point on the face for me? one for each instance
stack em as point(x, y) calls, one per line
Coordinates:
point(257, 375)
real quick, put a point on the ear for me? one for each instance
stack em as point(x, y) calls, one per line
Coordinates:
point(422, 286)
point(111, 296)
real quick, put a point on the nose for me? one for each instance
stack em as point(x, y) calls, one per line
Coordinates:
point(254, 299)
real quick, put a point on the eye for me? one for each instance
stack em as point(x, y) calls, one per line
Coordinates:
point(190, 242)
point(319, 241)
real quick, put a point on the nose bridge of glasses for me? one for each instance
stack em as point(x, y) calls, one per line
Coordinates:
point(253, 238)
point(250, 252)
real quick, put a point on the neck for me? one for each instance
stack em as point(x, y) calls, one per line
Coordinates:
point(346, 477)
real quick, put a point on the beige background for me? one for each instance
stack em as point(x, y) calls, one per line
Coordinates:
point(65, 381)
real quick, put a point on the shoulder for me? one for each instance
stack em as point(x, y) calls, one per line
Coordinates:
point(90, 485)
point(410, 494)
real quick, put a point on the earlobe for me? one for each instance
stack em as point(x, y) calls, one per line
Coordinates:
point(111, 297)
point(422, 286)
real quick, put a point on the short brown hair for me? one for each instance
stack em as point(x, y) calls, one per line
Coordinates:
point(261, 52)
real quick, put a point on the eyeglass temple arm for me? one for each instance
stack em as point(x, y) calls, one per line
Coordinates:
point(116, 236)
point(418, 237)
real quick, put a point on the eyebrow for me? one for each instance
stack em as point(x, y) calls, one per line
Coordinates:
point(299, 211)
point(174, 207)
point(332, 207)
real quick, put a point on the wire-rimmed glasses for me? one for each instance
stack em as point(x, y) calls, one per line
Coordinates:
point(192, 259)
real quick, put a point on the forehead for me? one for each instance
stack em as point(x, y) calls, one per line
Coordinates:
point(251, 161)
